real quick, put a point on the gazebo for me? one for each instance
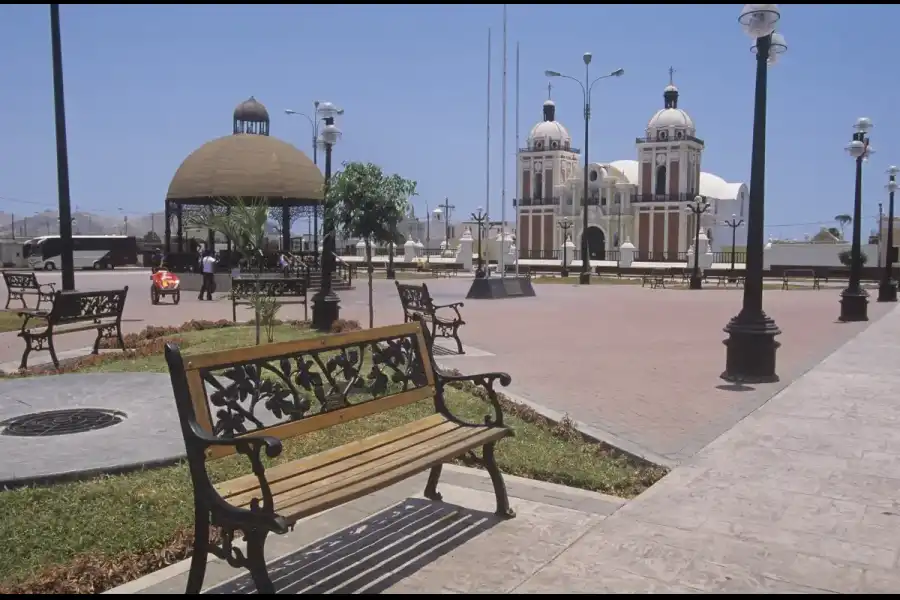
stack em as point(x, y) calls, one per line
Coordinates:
point(247, 165)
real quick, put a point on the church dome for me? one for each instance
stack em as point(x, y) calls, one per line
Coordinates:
point(549, 134)
point(670, 117)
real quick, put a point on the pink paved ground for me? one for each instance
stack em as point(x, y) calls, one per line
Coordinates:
point(642, 365)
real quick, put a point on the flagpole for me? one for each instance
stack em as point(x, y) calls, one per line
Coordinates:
point(518, 200)
point(502, 261)
point(487, 200)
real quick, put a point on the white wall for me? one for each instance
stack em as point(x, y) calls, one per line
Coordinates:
point(813, 255)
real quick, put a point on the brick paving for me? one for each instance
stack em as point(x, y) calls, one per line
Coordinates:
point(641, 365)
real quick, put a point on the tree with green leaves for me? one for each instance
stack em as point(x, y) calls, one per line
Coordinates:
point(244, 223)
point(365, 203)
point(842, 221)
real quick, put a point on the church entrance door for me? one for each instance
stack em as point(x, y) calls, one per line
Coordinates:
point(596, 240)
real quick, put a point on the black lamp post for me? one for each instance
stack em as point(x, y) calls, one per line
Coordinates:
point(733, 224)
point(479, 217)
point(697, 208)
point(391, 248)
point(854, 299)
point(751, 345)
point(326, 308)
point(586, 87)
point(565, 225)
point(62, 155)
point(887, 291)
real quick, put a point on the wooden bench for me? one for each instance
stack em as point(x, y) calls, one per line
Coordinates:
point(251, 399)
point(655, 277)
point(797, 274)
point(418, 304)
point(71, 312)
point(286, 290)
point(446, 269)
point(19, 285)
point(723, 279)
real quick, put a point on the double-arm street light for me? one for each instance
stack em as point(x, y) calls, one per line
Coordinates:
point(314, 122)
point(586, 87)
point(565, 225)
point(854, 299)
point(325, 303)
point(734, 223)
point(698, 208)
point(887, 291)
point(751, 345)
point(479, 217)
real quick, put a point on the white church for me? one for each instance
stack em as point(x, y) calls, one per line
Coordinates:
point(643, 201)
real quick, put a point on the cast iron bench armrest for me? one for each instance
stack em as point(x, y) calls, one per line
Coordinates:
point(52, 286)
point(455, 307)
point(483, 380)
point(272, 444)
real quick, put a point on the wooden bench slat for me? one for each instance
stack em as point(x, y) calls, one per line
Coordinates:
point(410, 462)
point(274, 475)
point(313, 471)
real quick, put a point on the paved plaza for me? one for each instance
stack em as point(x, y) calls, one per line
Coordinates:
point(800, 496)
point(633, 366)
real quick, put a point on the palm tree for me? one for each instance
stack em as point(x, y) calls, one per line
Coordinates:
point(843, 220)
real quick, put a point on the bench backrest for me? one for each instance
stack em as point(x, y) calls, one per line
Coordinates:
point(415, 298)
point(20, 280)
point(243, 287)
point(77, 307)
point(799, 273)
point(287, 389)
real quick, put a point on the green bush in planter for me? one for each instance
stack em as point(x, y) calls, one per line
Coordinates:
point(845, 258)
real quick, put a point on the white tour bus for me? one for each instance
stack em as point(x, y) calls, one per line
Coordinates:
point(88, 251)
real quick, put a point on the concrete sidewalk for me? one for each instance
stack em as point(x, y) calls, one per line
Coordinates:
point(801, 496)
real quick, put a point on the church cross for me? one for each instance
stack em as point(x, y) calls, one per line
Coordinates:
point(671, 75)
point(549, 91)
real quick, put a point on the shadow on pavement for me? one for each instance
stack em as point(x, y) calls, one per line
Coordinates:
point(374, 554)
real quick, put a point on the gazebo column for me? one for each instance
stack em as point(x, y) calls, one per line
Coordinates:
point(210, 239)
point(285, 228)
point(178, 215)
point(168, 230)
point(228, 239)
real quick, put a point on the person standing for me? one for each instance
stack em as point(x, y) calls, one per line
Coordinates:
point(208, 268)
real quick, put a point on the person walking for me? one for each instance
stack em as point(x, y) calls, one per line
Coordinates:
point(208, 267)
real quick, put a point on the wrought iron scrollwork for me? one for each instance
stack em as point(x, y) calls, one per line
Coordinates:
point(252, 396)
point(485, 381)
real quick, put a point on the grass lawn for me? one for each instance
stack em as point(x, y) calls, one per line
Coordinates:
point(109, 530)
point(9, 321)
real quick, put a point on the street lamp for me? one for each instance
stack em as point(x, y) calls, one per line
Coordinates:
point(734, 224)
point(565, 225)
point(320, 110)
point(697, 208)
point(325, 303)
point(479, 217)
point(751, 345)
point(854, 299)
point(586, 87)
point(390, 274)
point(887, 291)
point(67, 263)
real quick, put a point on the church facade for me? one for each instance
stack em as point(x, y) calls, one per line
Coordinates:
point(643, 200)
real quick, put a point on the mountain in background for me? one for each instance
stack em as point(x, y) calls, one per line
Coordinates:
point(47, 223)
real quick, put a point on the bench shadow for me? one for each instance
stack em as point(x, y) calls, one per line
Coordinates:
point(735, 387)
point(374, 554)
point(438, 350)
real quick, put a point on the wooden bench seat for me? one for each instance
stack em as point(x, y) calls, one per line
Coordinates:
point(310, 485)
point(417, 303)
point(19, 285)
point(100, 311)
point(249, 400)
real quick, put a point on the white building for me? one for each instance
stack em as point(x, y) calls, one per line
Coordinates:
point(642, 200)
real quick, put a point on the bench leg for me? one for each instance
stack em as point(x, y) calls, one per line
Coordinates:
point(431, 487)
point(52, 351)
point(459, 345)
point(24, 363)
point(201, 550)
point(490, 464)
point(256, 562)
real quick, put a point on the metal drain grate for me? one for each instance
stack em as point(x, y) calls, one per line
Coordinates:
point(61, 422)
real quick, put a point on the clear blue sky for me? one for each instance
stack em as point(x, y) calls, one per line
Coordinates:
point(146, 85)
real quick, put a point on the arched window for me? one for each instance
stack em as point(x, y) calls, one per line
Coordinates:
point(661, 179)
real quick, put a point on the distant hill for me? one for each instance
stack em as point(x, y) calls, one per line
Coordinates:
point(47, 223)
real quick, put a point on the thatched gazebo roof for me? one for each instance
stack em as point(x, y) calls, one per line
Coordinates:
point(247, 166)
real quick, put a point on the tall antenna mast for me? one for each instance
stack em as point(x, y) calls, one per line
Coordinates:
point(502, 260)
point(487, 199)
point(519, 200)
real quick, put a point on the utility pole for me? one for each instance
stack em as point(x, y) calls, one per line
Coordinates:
point(14, 226)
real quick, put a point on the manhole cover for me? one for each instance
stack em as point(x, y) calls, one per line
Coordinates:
point(61, 422)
